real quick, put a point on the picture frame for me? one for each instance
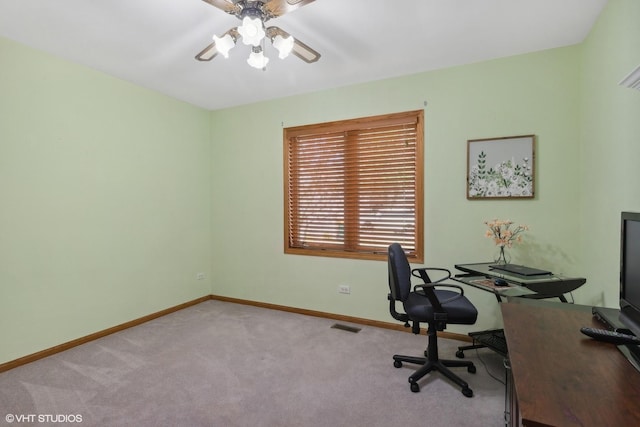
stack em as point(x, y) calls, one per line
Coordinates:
point(501, 168)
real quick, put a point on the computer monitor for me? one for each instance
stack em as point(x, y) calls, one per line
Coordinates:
point(630, 271)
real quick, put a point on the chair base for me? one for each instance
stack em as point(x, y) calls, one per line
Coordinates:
point(436, 365)
point(432, 362)
point(463, 348)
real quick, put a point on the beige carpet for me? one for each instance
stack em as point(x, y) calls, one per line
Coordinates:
point(224, 364)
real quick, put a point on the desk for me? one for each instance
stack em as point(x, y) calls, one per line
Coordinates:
point(481, 275)
point(560, 376)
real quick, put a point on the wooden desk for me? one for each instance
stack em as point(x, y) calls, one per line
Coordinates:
point(563, 378)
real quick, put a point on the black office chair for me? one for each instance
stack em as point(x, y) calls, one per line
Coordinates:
point(436, 307)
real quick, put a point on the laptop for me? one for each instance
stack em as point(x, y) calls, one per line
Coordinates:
point(519, 269)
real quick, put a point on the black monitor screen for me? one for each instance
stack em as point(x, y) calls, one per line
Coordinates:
point(630, 271)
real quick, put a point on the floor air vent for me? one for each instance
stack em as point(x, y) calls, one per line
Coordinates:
point(346, 328)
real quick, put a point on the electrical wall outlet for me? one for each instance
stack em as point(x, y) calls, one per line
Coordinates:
point(200, 276)
point(344, 289)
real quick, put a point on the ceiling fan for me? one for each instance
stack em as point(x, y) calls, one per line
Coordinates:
point(253, 15)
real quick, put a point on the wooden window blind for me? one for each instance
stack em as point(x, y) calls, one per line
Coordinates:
point(354, 187)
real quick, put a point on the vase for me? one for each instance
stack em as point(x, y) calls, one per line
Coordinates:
point(502, 256)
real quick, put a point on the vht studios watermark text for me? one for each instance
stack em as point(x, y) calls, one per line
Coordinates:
point(43, 418)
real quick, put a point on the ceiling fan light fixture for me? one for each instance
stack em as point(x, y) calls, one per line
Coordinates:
point(257, 59)
point(254, 14)
point(224, 44)
point(252, 31)
point(284, 45)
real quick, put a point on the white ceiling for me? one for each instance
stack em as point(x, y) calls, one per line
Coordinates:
point(152, 43)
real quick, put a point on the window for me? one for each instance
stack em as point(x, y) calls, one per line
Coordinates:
point(353, 187)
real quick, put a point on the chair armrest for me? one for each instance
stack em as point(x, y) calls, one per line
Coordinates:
point(403, 317)
point(422, 274)
point(428, 286)
point(427, 290)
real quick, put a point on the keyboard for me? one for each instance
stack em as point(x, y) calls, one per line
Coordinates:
point(493, 339)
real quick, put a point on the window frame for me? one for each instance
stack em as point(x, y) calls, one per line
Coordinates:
point(289, 134)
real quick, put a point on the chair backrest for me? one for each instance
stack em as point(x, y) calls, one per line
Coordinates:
point(399, 273)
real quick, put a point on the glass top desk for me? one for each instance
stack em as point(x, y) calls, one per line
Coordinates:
point(482, 276)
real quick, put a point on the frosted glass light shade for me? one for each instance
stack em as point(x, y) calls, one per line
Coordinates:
point(257, 60)
point(284, 45)
point(252, 31)
point(224, 44)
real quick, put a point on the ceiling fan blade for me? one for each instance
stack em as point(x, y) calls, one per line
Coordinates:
point(304, 52)
point(210, 52)
point(300, 49)
point(275, 8)
point(224, 5)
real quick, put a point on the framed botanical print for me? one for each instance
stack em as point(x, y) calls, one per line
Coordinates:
point(501, 168)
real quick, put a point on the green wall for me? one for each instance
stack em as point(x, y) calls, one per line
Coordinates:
point(529, 94)
point(114, 197)
point(105, 201)
point(610, 146)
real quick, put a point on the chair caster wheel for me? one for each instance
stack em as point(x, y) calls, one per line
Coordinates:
point(467, 392)
point(397, 364)
point(471, 369)
point(460, 354)
point(416, 388)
